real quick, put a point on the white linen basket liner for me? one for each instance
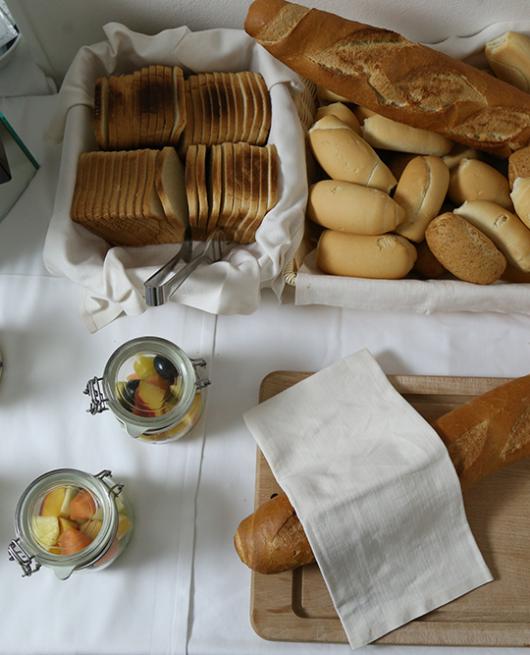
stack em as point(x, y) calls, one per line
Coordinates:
point(424, 297)
point(112, 278)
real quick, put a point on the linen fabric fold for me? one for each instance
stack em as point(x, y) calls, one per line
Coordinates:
point(377, 495)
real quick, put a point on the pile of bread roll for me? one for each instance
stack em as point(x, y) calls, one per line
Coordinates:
point(404, 200)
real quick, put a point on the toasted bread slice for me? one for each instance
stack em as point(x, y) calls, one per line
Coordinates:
point(250, 233)
point(191, 189)
point(132, 182)
point(227, 158)
point(200, 176)
point(79, 198)
point(257, 114)
point(103, 170)
point(208, 116)
point(196, 108)
point(251, 197)
point(145, 117)
point(180, 107)
point(221, 109)
point(239, 186)
point(171, 189)
point(215, 187)
point(227, 102)
point(151, 205)
point(246, 101)
point(266, 114)
point(273, 177)
point(189, 127)
point(101, 99)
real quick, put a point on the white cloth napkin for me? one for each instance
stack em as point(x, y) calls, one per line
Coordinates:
point(113, 278)
point(377, 495)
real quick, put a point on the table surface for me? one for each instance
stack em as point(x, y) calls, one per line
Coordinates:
point(185, 591)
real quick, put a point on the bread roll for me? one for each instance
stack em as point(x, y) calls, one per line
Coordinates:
point(353, 208)
point(387, 257)
point(464, 251)
point(482, 436)
point(505, 229)
point(458, 153)
point(407, 82)
point(342, 112)
point(473, 179)
point(519, 165)
point(509, 57)
point(427, 266)
point(520, 196)
point(346, 156)
point(381, 132)
point(421, 191)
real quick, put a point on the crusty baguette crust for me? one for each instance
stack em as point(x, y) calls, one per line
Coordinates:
point(481, 436)
point(397, 78)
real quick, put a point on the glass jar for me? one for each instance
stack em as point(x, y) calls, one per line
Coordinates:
point(153, 388)
point(69, 520)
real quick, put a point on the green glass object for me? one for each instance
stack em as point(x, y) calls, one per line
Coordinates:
point(17, 166)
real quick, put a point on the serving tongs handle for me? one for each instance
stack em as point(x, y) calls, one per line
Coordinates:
point(158, 288)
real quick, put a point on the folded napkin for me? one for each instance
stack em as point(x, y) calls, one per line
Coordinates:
point(377, 495)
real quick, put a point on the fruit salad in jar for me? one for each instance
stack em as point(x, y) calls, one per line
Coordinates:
point(154, 388)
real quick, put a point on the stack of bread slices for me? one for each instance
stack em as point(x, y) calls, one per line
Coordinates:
point(135, 191)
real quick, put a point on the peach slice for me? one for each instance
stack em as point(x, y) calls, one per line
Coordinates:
point(53, 501)
point(72, 541)
point(82, 506)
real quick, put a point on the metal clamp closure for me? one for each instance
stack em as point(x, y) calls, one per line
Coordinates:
point(98, 401)
point(200, 382)
point(115, 489)
point(27, 562)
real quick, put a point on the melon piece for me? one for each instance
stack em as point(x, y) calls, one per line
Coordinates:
point(70, 492)
point(144, 366)
point(46, 530)
point(91, 528)
point(65, 524)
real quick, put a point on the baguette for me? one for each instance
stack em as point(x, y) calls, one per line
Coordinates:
point(473, 179)
point(509, 57)
point(405, 81)
point(481, 436)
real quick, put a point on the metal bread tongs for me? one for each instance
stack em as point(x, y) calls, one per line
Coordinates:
point(158, 288)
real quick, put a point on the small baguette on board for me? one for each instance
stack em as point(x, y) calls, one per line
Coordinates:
point(482, 436)
point(405, 81)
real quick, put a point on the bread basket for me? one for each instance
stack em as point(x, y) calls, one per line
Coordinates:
point(424, 297)
point(111, 279)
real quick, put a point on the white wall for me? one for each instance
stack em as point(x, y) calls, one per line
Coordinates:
point(57, 28)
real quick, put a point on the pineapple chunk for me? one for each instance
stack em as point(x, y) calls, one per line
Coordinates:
point(46, 530)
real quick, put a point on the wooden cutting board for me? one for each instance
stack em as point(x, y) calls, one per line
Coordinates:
point(295, 605)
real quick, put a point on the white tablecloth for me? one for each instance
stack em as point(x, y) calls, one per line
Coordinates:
point(141, 603)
